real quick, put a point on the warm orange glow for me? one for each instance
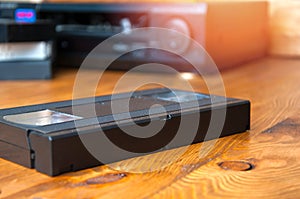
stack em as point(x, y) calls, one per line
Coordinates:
point(116, 1)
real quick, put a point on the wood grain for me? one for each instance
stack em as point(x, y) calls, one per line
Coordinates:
point(271, 147)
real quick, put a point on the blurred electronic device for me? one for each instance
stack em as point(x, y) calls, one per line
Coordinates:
point(232, 32)
point(26, 48)
point(50, 137)
point(81, 27)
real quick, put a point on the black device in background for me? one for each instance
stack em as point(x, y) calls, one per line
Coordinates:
point(81, 27)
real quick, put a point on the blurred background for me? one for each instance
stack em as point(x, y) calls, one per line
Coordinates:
point(233, 33)
point(284, 17)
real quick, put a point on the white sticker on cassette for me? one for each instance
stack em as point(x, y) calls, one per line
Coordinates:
point(41, 118)
point(24, 51)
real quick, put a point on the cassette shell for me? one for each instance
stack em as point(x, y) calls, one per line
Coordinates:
point(57, 148)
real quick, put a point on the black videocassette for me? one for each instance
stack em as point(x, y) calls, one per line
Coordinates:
point(45, 136)
point(26, 49)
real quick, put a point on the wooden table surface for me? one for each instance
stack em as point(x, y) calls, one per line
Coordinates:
point(261, 163)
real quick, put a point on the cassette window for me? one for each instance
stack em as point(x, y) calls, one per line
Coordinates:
point(41, 118)
point(179, 96)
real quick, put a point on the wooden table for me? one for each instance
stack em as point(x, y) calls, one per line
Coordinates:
point(261, 163)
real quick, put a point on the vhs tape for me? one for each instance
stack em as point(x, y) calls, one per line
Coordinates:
point(48, 137)
point(26, 49)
